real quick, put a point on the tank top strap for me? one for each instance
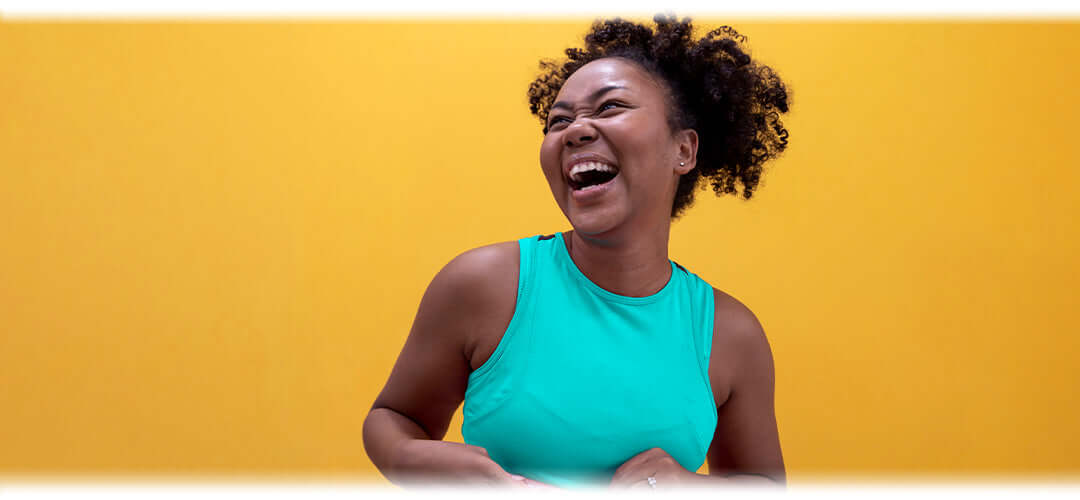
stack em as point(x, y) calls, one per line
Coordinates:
point(583, 379)
point(527, 263)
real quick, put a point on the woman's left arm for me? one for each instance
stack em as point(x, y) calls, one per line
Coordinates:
point(746, 444)
point(745, 449)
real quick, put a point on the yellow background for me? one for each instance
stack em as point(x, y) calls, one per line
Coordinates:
point(214, 236)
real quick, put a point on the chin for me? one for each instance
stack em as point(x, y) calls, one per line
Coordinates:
point(595, 222)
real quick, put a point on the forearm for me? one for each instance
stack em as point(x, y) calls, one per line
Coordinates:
point(385, 434)
point(406, 454)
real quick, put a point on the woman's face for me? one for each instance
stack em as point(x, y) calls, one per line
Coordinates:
point(609, 155)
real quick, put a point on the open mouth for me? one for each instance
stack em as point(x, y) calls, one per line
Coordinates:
point(589, 174)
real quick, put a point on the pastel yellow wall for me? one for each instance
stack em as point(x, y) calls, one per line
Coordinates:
point(214, 236)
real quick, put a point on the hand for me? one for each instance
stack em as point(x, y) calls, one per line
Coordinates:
point(655, 463)
point(430, 462)
point(424, 462)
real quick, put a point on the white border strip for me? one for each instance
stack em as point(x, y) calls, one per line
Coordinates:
point(490, 8)
point(319, 491)
point(271, 491)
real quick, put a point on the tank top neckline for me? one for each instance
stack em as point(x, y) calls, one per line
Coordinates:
point(564, 255)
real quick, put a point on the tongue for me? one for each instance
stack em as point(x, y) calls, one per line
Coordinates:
point(594, 177)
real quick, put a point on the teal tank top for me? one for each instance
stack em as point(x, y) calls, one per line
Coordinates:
point(584, 379)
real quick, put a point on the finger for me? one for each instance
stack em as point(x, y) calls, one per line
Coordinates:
point(508, 482)
point(631, 484)
point(532, 483)
point(494, 474)
point(524, 482)
point(629, 477)
point(634, 471)
point(638, 460)
point(626, 469)
point(517, 480)
point(625, 475)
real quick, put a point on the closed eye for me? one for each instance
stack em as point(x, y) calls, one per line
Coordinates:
point(608, 105)
point(557, 120)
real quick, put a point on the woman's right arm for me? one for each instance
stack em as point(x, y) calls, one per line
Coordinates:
point(475, 293)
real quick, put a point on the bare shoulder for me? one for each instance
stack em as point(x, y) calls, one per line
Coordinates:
point(740, 348)
point(465, 302)
point(734, 321)
point(746, 440)
point(481, 285)
point(481, 272)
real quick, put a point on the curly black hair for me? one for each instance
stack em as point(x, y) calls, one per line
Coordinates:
point(714, 87)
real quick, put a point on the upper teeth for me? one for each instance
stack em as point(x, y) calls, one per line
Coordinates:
point(587, 166)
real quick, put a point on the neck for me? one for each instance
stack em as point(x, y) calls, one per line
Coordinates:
point(634, 266)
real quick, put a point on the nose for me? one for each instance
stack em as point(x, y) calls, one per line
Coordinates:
point(580, 132)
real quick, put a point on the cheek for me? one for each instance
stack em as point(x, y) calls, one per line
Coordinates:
point(549, 157)
point(653, 146)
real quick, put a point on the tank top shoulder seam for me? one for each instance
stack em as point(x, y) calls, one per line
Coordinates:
point(700, 288)
point(708, 328)
point(525, 266)
point(708, 331)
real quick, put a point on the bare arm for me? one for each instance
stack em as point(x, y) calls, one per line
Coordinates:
point(474, 293)
point(746, 443)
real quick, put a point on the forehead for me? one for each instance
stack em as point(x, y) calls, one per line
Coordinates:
point(607, 72)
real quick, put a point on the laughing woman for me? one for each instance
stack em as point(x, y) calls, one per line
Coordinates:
point(588, 357)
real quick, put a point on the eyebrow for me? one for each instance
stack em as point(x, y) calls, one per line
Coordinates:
point(592, 97)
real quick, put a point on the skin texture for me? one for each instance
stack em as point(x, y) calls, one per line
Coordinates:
point(714, 86)
point(614, 110)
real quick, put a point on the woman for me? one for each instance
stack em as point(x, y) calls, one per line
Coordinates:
point(588, 357)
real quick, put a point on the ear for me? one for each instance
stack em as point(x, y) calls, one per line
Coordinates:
point(686, 153)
